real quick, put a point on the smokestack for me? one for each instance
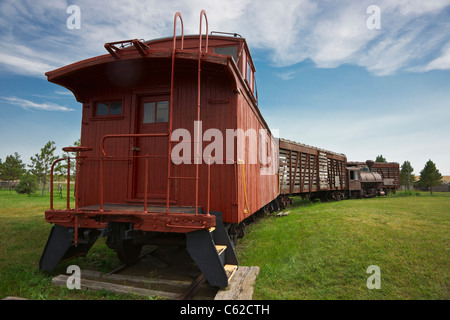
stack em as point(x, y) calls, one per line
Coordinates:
point(370, 164)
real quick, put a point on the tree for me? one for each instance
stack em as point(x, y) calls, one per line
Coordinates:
point(380, 158)
point(407, 177)
point(430, 176)
point(27, 184)
point(41, 163)
point(12, 169)
point(61, 167)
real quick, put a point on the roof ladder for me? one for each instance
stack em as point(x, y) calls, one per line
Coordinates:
point(172, 80)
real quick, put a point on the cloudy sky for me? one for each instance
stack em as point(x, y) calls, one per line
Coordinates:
point(326, 77)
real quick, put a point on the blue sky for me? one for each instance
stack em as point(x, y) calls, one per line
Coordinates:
point(324, 78)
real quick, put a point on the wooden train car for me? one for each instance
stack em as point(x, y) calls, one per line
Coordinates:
point(170, 130)
point(311, 172)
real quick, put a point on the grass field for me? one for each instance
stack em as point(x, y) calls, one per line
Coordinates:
point(23, 234)
point(318, 251)
point(322, 251)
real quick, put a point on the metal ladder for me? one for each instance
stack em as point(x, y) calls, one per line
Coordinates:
point(211, 249)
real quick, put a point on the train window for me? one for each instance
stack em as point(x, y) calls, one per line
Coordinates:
point(102, 109)
point(354, 175)
point(156, 112)
point(249, 76)
point(229, 51)
point(162, 112)
point(149, 112)
point(113, 108)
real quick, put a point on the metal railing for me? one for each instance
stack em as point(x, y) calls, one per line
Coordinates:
point(107, 157)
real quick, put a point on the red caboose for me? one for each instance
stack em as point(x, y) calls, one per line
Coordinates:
point(171, 145)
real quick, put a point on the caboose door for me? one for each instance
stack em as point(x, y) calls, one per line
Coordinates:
point(152, 118)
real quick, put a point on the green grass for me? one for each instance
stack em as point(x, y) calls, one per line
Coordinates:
point(322, 251)
point(318, 251)
point(23, 234)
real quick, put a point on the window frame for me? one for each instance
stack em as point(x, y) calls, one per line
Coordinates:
point(227, 48)
point(108, 115)
point(156, 122)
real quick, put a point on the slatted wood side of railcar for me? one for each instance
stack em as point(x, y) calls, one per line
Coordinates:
point(306, 169)
point(390, 171)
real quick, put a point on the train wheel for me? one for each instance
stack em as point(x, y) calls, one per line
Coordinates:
point(128, 252)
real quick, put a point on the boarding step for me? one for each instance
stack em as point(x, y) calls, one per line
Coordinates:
point(213, 253)
point(230, 269)
point(220, 249)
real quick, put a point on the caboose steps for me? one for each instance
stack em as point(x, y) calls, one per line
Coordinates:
point(230, 269)
point(213, 253)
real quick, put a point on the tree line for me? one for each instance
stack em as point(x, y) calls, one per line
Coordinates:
point(34, 176)
point(429, 175)
point(38, 172)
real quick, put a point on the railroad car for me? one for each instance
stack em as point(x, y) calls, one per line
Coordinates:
point(310, 172)
point(153, 164)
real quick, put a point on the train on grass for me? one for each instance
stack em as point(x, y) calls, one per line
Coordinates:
point(174, 149)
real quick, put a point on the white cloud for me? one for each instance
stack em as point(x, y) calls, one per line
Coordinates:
point(329, 33)
point(30, 105)
point(64, 93)
point(440, 63)
point(19, 65)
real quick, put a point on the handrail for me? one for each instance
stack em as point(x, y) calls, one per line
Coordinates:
point(147, 158)
point(68, 181)
point(175, 31)
point(112, 49)
point(199, 69)
point(203, 13)
point(172, 81)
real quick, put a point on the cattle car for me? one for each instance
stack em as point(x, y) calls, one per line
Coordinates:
point(311, 172)
point(168, 136)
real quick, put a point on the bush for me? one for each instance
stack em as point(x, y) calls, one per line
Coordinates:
point(27, 184)
point(407, 193)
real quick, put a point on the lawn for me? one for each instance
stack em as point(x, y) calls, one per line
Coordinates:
point(23, 234)
point(322, 251)
point(318, 251)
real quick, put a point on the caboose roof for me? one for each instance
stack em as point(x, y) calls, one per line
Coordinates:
point(78, 77)
point(124, 64)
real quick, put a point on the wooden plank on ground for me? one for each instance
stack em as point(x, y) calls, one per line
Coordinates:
point(61, 280)
point(241, 285)
point(135, 280)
